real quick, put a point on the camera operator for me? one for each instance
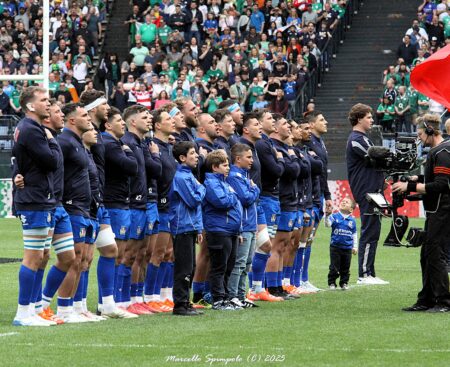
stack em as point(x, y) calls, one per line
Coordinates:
point(434, 296)
point(363, 179)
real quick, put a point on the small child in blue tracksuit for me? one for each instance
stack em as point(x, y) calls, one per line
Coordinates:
point(222, 219)
point(344, 243)
point(186, 195)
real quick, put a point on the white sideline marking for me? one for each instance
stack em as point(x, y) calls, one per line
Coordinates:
point(9, 334)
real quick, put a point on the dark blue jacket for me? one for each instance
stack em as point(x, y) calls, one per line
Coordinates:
point(247, 194)
point(312, 184)
point(58, 175)
point(222, 210)
point(209, 147)
point(120, 165)
point(235, 138)
point(138, 183)
point(288, 193)
point(77, 189)
point(187, 135)
point(186, 195)
point(272, 168)
point(317, 145)
point(169, 166)
point(362, 177)
point(36, 159)
point(222, 143)
point(255, 171)
point(98, 152)
point(304, 178)
point(153, 171)
point(95, 186)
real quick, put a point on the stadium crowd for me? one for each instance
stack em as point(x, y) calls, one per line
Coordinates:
point(259, 53)
point(75, 31)
point(400, 104)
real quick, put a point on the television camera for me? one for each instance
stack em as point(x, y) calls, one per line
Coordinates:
point(397, 163)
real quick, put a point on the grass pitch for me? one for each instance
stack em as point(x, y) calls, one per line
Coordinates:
point(361, 327)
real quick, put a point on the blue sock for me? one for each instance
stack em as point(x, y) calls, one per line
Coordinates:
point(126, 285)
point(258, 266)
point(85, 284)
point(198, 287)
point(26, 282)
point(250, 279)
point(168, 276)
point(150, 279)
point(134, 290)
point(305, 275)
point(79, 293)
point(37, 286)
point(140, 289)
point(105, 276)
point(207, 288)
point(287, 272)
point(170, 283)
point(298, 266)
point(63, 302)
point(55, 277)
point(160, 278)
point(272, 278)
point(280, 279)
point(121, 273)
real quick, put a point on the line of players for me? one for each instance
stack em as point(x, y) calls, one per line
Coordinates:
point(103, 181)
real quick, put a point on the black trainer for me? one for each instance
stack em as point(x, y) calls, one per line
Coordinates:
point(416, 308)
point(439, 309)
point(184, 310)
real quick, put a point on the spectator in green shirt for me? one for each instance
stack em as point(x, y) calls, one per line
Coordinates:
point(212, 102)
point(163, 31)
point(413, 104)
point(148, 30)
point(403, 121)
point(386, 114)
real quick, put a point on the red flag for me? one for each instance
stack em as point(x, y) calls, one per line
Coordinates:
point(432, 77)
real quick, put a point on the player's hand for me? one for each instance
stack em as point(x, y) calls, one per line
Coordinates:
point(399, 187)
point(48, 134)
point(279, 154)
point(291, 152)
point(354, 251)
point(19, 181)
point(414, 178)
point(203, 152)
point(199, 238)
point(312, 153)
point(125, 147)
point(328, 206)
point(241, 240)
point(154, 149)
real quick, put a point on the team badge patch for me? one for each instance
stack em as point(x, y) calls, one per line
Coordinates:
point(273, 218)
point(291, 223)
point(82, 232)
point(350, 224)
point(150, 226)
point(123, 230)
point(138, 230)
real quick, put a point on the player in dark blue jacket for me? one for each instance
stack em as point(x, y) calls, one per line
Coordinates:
point(162, 254)
point(226, 127)
point(120, 165)
point(248, 193)
point(287, 192)
point(222, 219)
point(96, 105)
point(37, 157)
point(76, 199)
point(138, 121)
point(190, 113)
point(186, 224)
point(233, 107)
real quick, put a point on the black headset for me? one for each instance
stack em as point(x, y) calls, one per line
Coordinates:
point(428, 129)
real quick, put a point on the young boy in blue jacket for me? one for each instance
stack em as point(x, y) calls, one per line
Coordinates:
point(222, 217)
point(344, 243)
point(248, 193)
point(186, 195)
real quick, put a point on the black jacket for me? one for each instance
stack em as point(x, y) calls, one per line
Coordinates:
point(153, 171)
point(169, 167)
point(36, 159)
point(120, 165)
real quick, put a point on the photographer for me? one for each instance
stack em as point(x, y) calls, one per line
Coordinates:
point(363, 179)
point(434, 296)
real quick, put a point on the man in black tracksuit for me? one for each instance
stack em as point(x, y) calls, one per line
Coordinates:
point(434, 296)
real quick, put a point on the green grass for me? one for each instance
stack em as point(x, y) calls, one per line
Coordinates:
point(361, 327)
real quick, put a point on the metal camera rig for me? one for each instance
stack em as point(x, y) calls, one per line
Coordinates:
point(397, 163)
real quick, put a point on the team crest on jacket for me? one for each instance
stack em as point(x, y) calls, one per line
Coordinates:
point(291, 223)
point(274, 218)
point(350, 224)
point(150, 226)
point(138, 230)
point(123, 230)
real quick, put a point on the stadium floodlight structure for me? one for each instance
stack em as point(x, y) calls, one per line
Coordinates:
point(45, 52)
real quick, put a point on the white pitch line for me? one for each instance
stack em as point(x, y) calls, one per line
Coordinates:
point(9, 334)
